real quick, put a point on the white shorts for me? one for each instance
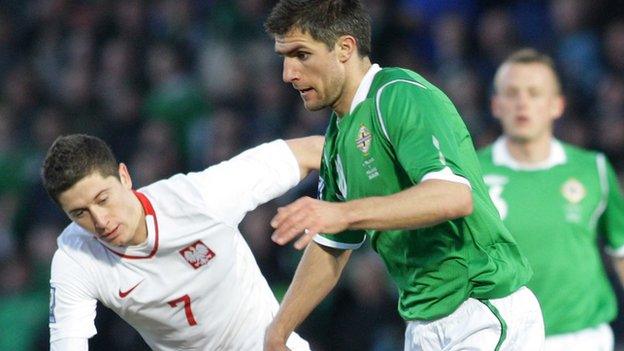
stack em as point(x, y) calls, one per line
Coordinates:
point(297, 343)
point(599, 338)
point(511, 323)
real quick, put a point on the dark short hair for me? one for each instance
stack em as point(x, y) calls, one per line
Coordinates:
point(73, 157)
point(324, 20)
point(528, 56)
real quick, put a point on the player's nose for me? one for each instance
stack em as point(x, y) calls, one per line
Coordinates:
point(289, 72)
point(522, 100)
point(100, 218)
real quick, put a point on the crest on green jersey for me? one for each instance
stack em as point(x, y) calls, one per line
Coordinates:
point(573, 191)
point(364, 139)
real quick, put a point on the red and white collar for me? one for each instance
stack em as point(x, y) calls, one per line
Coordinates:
point(150, 247)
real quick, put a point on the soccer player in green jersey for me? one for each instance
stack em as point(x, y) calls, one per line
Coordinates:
point(555, 199)
point(399, 167)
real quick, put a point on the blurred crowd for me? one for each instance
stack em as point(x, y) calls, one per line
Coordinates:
point(179, 85)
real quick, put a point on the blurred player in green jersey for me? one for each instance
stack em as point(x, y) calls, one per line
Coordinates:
point(555, 199)
point(398, 166)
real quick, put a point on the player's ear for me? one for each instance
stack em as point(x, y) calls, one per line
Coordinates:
point(494, 106)
point(347, 47)
point(558, 106)
point(124, 176)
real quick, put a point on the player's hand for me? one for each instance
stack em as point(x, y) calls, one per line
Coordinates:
point(307, 217)
point(274, 342)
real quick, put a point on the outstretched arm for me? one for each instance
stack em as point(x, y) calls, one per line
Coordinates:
point(317, 274)
point(426, 204)
point(308, 152)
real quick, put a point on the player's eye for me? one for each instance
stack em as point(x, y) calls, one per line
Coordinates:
point(78, 214)
point(301, 55)
point(510, 93)
point(102, 201)
point(534, 93)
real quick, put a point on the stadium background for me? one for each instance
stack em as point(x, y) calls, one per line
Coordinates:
point(178, 85)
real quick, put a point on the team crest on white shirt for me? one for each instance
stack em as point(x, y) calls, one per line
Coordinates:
point(197, 254)
point(364, 139)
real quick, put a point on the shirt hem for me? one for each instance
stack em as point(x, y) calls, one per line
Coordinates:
point(321, 240)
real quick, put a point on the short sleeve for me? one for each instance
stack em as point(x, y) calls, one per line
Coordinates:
point(611, 223)
point(72, 303)
point(234, 187)
point(420, 123)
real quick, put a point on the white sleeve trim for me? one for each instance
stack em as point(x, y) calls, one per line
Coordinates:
point(448, 175)
point(319, 239)
point(70, 344)
point(601, 164)
point(619, 252)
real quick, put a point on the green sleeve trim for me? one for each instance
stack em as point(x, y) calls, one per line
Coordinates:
point(501, 320)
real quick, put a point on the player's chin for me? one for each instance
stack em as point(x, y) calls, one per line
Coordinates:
point(521, 134)
point(117, 239)
point(313, 105)
point(527, 137)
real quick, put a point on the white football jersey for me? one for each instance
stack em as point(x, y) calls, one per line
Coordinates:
point(194, 284)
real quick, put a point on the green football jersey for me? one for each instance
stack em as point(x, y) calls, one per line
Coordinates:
point(402, 130)
point(555, 211)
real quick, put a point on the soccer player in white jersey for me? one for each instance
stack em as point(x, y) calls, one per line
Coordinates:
point(556, 199)
point(168, 258)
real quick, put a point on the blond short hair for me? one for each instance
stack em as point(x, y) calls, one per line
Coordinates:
point(529, 56)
